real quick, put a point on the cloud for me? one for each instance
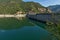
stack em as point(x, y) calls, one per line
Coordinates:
point(50, 2)
point(46, 2)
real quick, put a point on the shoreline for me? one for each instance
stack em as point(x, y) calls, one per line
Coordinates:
point(12, 15)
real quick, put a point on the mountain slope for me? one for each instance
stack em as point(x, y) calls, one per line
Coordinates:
point(55, 8)
point(12, 6)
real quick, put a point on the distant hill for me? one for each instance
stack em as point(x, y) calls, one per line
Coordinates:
point(12, 6)
point(55, 8)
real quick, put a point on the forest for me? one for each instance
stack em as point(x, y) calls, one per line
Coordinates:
point(12, 6)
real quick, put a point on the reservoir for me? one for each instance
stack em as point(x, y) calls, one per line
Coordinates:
point(22, 29)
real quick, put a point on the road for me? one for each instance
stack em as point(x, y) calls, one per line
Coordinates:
point(9, 15)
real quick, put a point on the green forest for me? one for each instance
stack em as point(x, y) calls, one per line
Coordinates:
point(12, 6)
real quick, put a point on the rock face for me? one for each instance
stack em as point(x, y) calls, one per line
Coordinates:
point(55, 8)
point(44, 10)
point(49, 11)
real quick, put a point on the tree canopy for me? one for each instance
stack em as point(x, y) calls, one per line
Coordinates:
point(11, 6)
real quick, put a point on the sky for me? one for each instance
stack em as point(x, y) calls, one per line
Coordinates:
point(46, 2)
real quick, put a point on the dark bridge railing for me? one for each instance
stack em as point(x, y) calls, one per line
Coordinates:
point(45, 17)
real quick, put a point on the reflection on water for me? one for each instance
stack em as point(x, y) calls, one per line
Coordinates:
point(25, 33)
point(2, 30)
point(13, 23)
point(14, 29)
point(20, 18)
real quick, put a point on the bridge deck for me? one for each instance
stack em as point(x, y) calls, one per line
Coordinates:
point(45, 17)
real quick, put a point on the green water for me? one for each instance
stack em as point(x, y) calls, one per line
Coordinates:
point(13, 23)
point(22, 29)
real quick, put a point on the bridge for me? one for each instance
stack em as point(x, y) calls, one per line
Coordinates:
point(45, 18)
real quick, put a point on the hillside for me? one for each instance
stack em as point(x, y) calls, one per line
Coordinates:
point(12, 6)
point(55, 8)
point(32, 6)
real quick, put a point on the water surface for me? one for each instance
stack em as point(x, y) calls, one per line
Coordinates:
point(22, 29)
